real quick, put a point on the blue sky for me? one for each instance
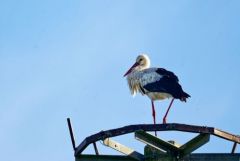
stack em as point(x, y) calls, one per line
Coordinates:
point(62, 59)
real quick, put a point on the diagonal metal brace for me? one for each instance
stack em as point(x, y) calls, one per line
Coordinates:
point(194, 144)
point(123, 149)
point(155, 142)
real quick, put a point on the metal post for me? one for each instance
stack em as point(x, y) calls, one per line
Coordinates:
point(71, 133)
point(95, 148)
point(234, 147)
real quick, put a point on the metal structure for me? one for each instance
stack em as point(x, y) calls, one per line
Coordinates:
point(156, 149)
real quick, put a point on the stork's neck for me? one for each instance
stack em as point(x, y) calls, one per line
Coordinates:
point(140, 68)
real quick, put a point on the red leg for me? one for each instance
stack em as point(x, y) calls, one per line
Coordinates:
point(165, 116)
point(153, 113)
point(154, 116)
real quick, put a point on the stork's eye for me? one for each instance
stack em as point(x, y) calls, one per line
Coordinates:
point(140, 59)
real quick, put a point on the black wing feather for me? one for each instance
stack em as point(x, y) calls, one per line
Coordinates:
point(169, 74)
point(167, 84)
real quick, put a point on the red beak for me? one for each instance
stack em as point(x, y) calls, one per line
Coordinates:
point(130, 70)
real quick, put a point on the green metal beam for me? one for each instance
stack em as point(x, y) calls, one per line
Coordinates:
point(155, 142)
point(194, 143)
point(212, 157)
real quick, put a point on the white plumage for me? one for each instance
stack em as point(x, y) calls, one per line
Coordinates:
point(141, 78)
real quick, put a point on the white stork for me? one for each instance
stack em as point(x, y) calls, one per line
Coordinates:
point(156, 83)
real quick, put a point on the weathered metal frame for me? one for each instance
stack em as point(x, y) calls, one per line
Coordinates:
point(191, 157)
point(157, 127)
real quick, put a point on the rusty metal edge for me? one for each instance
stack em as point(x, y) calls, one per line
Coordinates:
point(227, 136)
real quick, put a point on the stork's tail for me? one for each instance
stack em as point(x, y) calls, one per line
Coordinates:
point(184, 96)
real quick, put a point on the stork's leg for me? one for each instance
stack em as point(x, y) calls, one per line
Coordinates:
point(153, 113)
point(165, 117)
point(154, 116)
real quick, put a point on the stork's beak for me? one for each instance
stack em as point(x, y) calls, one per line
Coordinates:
point(130, 70)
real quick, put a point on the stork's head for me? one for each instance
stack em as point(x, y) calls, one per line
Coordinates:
point(142, 62)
